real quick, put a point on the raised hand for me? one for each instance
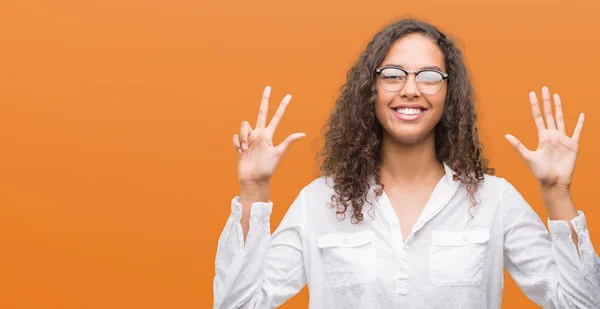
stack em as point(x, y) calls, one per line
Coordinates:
point(258, 157)
point(553, 162)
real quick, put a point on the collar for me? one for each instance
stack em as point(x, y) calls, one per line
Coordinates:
point(441, 195)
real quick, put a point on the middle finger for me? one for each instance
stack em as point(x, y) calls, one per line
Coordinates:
point(548, 108)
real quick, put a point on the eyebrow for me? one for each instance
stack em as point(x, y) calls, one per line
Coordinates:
point(423, 68)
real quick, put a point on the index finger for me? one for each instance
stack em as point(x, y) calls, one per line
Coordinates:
point(578, 128)
point(261, 120)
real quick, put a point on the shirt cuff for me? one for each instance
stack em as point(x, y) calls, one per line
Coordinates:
point(561, 227)
point(258, 209)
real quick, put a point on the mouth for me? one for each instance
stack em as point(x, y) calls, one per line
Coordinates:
point(409, 113)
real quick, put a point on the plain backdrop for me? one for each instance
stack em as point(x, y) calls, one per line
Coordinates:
point(116, 117)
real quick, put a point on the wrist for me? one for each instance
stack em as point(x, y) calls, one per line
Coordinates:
point(559, 203)
point(254, 191)
point(556, 191)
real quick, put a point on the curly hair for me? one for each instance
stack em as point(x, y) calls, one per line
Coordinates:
point(351, 154)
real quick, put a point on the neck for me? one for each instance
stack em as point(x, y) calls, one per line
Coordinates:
point(410, 165)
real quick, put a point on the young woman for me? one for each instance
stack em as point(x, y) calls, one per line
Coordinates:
point(407, 213)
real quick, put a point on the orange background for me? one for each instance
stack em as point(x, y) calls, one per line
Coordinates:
point(117, 170)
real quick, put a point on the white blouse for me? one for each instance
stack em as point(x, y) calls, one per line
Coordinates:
point(446, 261)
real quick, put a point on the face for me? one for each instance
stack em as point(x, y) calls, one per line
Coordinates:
point(410, 115)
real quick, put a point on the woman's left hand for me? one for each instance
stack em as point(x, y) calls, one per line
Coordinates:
point(553, 162)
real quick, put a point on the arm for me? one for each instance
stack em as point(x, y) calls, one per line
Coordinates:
point(266, 270)
point(560, 207)
point(254, 269)
point(559, 269)
point(547, 266)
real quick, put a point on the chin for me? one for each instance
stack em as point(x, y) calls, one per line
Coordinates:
point(408, 138)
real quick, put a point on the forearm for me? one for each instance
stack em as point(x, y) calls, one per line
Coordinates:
point(251, 193)
point(238, 264)
point(265, 269)
point(560, 206)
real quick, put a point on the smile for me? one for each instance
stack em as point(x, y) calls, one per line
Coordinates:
point(408, 114)
point(408, 111)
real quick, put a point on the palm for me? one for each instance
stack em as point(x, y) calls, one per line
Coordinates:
point(259, 157)
point(553, 162)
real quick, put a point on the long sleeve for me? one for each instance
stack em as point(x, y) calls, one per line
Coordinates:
point(546, 264)
point(268, 269)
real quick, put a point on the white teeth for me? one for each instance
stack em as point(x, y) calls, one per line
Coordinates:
point(408, 111)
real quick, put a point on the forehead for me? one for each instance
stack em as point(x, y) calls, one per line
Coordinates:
point(414, 52)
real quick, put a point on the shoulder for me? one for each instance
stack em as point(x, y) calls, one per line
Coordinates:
point(490, 189)
point(492, 183)
point(496, 187)
point(320, 186)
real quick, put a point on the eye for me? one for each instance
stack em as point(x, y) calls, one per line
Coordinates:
point(393, 74)
point(429, 77)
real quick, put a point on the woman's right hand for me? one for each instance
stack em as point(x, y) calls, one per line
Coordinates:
point(258, 157)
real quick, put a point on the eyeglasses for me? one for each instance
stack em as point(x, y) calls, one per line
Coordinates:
point(393, 78)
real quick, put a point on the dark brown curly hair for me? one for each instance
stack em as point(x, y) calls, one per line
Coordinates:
point(351, 154)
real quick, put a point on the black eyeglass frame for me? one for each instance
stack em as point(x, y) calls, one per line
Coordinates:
point(378, 72)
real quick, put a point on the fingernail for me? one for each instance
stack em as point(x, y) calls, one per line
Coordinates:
point(244, 147)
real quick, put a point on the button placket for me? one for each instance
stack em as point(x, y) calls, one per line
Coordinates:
point(402, 273)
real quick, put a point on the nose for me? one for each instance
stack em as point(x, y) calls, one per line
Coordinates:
point(410, 89)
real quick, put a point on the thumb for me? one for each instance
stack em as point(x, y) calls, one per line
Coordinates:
point(518, 146)
point(285, 145)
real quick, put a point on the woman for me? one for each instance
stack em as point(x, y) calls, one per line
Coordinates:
point(407, 213)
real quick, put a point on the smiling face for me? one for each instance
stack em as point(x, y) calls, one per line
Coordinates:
point(408, 116)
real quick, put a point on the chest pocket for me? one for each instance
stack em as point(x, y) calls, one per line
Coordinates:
point(349, 258)
point(456, 258)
